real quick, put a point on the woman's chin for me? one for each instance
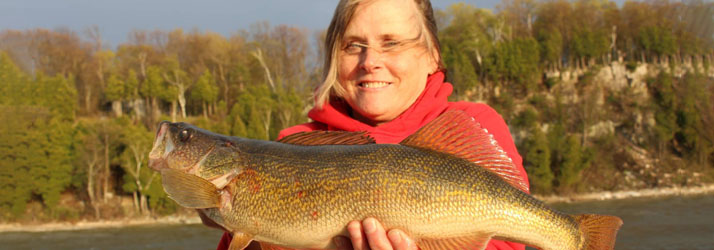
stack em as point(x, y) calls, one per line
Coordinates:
point(374, 116)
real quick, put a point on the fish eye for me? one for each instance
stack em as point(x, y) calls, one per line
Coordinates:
point(184, 135)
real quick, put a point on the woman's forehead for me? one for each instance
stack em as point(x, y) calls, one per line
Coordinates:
point(384, 19)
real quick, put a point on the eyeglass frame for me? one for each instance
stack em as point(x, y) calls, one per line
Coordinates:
point(395, 46)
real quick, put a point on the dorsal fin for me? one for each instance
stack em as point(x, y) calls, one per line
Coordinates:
point(313, 138)
point(455, 132)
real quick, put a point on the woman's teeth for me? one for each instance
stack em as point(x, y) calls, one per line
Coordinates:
point(373, 84)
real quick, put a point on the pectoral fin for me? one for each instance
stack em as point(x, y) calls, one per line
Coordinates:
point(477, 242)
point(240, 241)
point(188, 190)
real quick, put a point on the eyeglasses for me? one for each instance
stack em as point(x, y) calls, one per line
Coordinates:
point(387, 47)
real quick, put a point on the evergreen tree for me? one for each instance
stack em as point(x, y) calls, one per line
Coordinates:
point(516, 61)
point(551, 48)
point(664, 105)
point(657, 41)
point(573, 163)
point(537, 161)
point(692, 131)
point(38, 146)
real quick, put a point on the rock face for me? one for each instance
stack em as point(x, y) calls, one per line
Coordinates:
point(617, 94)
point(617, 78)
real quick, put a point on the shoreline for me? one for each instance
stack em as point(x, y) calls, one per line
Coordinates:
point(175, 220)
point(85, 224)
point(628, 194)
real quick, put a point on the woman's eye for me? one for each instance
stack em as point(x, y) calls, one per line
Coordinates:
point(390, 45)
point(353, 48)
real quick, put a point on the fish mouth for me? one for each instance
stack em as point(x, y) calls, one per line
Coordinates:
point(157, 161)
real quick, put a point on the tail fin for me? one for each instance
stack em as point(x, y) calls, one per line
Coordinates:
point(599, 231)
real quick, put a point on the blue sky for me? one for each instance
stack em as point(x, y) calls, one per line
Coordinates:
point(116, 19)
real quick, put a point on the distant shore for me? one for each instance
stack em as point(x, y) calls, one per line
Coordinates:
point(82, 225)
point(627, 194)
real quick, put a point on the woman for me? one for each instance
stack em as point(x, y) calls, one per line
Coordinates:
point(383, 75)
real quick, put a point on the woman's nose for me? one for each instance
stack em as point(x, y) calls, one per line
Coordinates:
point(371, 59)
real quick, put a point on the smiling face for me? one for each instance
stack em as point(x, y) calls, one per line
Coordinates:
point(384, 79)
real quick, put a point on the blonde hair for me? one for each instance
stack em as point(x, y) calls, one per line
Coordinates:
point(335, 32)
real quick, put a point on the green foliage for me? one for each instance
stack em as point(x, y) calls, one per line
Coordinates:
point(693, 105)
point(10, 81)
point(37, 146)
point(56, 93)
point(154, 86)
point(131, 85)
point(537, 161)
point(658, 40)
point(237, 124)
point(664, 105)
point(527, 118)
point(137, 142)
point(515, 61)
point(461, 70)
point(588, 43)
point(115, 89)
point(574, 162)
point(16, 153)
point(158, 200)
point(551, 46)
point(260, 113)
point(464, 42)
point(119, 89)
point(205, 89)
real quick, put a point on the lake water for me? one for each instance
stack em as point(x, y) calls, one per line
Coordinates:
point(661, 223)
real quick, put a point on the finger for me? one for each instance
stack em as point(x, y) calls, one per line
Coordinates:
point(354, 228)
point(342, 243)
point(376, 236)
point(400, 241)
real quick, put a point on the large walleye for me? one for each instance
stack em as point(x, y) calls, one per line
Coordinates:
point(449, 186)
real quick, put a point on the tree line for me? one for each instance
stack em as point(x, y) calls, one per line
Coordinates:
point(79, 117)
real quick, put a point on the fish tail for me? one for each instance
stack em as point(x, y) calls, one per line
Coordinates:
point(598, 231)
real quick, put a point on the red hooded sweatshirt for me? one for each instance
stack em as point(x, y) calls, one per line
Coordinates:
point(433, 101)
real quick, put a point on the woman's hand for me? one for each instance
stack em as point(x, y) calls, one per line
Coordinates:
point(371, 235)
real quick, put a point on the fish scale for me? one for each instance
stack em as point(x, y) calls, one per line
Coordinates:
point(302, 195)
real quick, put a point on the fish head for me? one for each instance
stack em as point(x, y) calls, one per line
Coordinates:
point(184, 147)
